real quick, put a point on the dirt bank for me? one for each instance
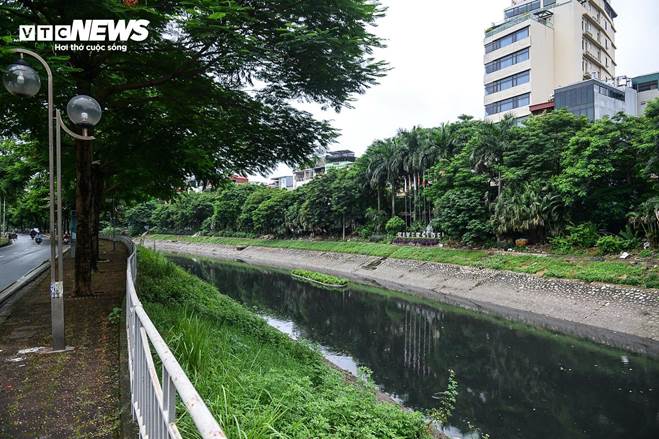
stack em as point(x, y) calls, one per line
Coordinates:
point(624, 317)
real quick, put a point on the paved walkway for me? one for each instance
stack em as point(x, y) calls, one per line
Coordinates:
point(63, 395)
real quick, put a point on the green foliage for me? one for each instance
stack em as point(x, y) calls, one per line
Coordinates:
point(461, 215)
point(530, 211)
point(576, 237)
point(115, 315)
point(610, 244)
point(394, 225)
point(447, 400)
point(257, 382)
point(323, 278)
point(191, 343)
point(471, 180)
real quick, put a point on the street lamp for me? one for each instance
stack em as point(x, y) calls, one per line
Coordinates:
point(21, 79)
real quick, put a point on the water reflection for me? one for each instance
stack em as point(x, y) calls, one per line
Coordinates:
point(514, 382)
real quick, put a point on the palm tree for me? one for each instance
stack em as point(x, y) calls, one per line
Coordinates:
point(490, 143)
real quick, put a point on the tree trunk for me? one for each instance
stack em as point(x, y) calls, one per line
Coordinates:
point(379, 207)
point(83, 254)
point(97, 201)
point(393, 200)
point(343, 222)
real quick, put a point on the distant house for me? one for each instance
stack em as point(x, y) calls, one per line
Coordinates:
point(239, 179)
point(283, 182)
point(194, 185)
point(331, 160)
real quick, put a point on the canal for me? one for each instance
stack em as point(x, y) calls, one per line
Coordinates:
point(514, 381)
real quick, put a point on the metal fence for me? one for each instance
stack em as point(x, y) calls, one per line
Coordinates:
point(153, 400)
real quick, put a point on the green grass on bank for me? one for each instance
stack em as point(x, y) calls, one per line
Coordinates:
point(3, 241)
point(323, 278)
point(581, 268)
point(256, 381)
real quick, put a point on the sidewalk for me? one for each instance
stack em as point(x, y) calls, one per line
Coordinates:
point(63, 395)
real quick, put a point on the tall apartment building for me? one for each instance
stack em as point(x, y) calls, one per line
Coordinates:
point(543, 45)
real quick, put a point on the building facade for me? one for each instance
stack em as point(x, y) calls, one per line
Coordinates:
point(332, 159)
point(647, 87)
point(543, 45)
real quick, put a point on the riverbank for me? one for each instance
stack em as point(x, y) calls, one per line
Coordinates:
point(642, 272)
point(619, 316)
point(254, 379)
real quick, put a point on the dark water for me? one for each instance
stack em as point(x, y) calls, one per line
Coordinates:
point(514, 381)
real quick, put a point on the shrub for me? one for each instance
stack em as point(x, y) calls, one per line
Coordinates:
point(610, 244)
point(576, 237)
point(394, 225)
point(320, 277)
point(461, 215)
point(365, 231)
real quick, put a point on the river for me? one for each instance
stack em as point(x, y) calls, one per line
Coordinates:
point(515, 381)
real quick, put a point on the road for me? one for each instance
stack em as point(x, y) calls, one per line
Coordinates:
point(20, 257)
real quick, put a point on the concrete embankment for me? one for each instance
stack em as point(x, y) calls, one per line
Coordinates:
point(623, 317)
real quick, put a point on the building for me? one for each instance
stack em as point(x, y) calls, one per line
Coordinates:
point(543, 45)
point(595, 99)
point(647, 87)
point(331, 160)
point(194, 185)
point(283, 182)
point(239, 179)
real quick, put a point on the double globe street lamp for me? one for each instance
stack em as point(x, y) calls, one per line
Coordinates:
point(20, 79)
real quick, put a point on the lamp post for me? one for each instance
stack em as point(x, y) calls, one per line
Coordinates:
point(21, 79)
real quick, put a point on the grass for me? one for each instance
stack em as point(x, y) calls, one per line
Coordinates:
point(256, 381)
point(3, 241)
point(325, 279)
point(566, 267)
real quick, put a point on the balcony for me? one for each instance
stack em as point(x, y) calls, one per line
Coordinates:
point(495, 29)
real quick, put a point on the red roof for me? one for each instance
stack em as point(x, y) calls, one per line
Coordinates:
point(541, 107)
point(239, 179)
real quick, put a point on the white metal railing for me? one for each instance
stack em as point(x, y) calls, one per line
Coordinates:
point(153, 403)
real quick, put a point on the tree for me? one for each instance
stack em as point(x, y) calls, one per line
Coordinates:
point(531, 211)
point(602, 176)
point(177, 104)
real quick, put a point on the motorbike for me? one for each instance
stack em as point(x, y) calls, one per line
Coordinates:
point(38, 239)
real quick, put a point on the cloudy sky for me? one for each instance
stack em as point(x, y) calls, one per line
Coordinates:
point(435, 49)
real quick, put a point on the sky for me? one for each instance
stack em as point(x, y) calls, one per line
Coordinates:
point(435, 51)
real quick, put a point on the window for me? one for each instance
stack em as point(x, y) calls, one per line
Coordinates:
point(507, 61)
point(508, 104)
point(606, 44)
point(549, 3)
point(507, 40)
point(605, 91)
point(508, 82)
point(522, 9)
point(645, 86)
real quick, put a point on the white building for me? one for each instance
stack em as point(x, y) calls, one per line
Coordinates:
point(333, 159)
point(543, 45)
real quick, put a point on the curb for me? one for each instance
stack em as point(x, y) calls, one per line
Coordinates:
point(22, 281)
point(19, 283)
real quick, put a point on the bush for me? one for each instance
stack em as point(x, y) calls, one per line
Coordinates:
point(365, 232)
point(611, 244)
point(319, 277)
point(394, 225)
point(461, 215)
point(576, 237)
